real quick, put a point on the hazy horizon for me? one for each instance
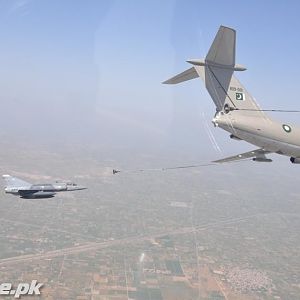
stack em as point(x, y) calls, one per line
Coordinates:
point(81, 93)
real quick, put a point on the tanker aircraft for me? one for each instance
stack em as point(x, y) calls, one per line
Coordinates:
point(236, 110)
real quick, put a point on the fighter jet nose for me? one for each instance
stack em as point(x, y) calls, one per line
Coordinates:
point(76, 188)
point(80, 188)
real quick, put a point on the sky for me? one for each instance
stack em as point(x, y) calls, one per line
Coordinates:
point(89, 73)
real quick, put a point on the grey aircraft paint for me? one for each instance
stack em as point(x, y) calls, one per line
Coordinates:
point(236, 110)
point(18, 187)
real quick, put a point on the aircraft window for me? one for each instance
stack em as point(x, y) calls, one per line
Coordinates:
point(286, 128)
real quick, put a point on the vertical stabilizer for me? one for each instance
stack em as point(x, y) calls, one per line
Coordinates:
point(15, 182)
point(222, 50)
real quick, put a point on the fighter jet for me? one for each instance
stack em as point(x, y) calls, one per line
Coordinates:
point(236, 110)
point(18, 187)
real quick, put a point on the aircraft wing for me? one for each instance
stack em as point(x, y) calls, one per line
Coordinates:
point(256, 155)
point(31, 194)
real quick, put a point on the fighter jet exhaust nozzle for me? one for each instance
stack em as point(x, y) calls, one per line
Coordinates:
point(295, 160)
point(262, 159)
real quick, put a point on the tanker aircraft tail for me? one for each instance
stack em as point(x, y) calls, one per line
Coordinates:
point(236, 110)
point(216, 70)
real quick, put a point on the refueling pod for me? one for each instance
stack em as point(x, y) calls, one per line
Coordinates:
point(295, 160)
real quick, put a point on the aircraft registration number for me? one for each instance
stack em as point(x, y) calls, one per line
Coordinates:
point(235, 89)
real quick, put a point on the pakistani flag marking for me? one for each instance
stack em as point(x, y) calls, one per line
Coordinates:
point(240, 96)
point(286, 128)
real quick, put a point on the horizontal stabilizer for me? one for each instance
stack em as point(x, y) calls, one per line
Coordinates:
point(184, 76)
point(200, 62)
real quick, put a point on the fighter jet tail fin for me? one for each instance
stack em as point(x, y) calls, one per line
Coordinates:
point(15, 182)
point(216, 70)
